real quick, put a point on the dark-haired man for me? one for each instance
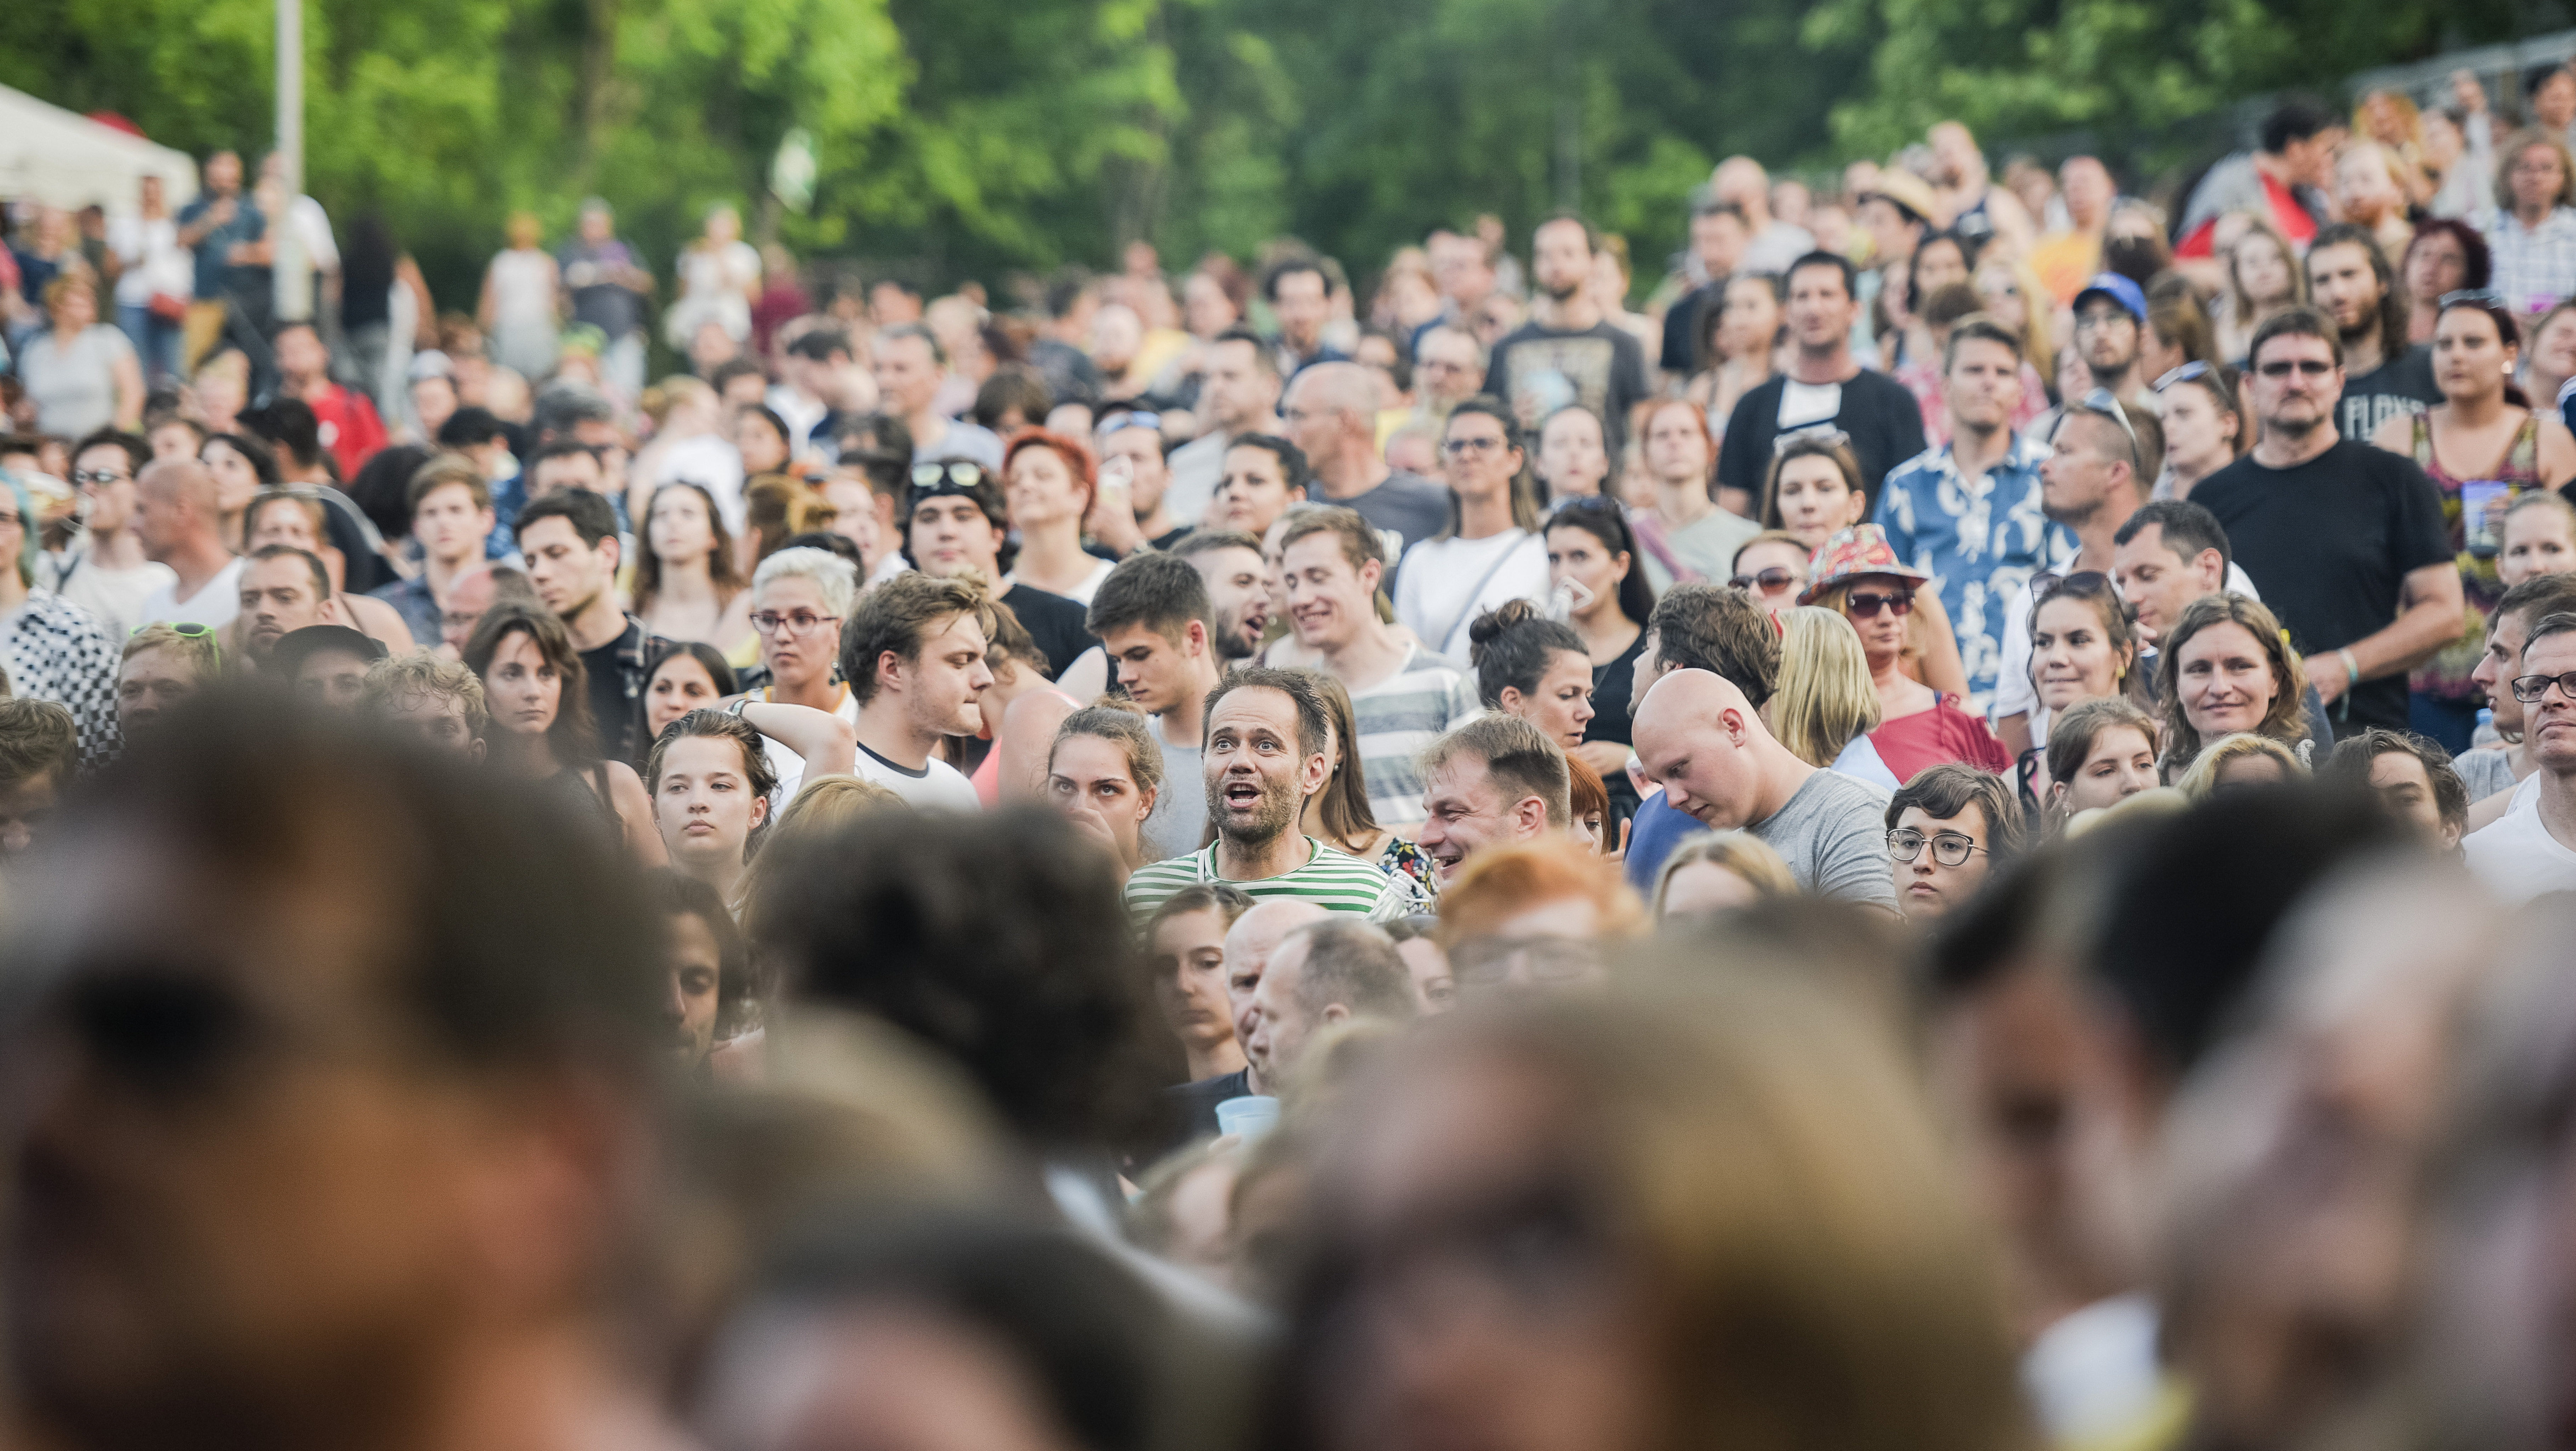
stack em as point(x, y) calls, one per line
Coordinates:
point(1300, 293)
point(911, 367)
point(345, 420)
point(2284, 180)
point(2167, 554)
point(1266, 733)
point(1823, 387)
point(1229, 563)
point(2385, 377)
point(1718, 235)
point(1239, 396)
point(326, 665)
point(1567, 335)
point(570, 541)
point(2348, 539)
point(1156, 623)
point(283, 589)
point(375, 1023)
point(452, 521)
point(957, 522)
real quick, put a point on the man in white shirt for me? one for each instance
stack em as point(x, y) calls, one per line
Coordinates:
point(176, 518)
point(913, 655)
point(1155, 620)
point(1403, 697)
point(2532, 849)
point(910, 367)
point(106, 572)
point(1492, 550)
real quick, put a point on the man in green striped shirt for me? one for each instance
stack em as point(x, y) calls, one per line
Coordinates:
point(1266, 734)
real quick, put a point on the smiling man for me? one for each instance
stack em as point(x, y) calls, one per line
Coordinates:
point(1266, 735)
point(1495, 780)
point(1699, 736)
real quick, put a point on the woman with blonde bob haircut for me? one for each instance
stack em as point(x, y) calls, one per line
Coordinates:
point(2216, 686)
point(1825, 704)
point(2243, 759)
point(1718, 870)
point(1695, 1213)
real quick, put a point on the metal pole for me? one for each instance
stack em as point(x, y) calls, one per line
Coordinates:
point(292, 277)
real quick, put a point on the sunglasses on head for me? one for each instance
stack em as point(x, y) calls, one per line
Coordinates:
point(2183, 374)
point(1865, 604)
point(1829, 437)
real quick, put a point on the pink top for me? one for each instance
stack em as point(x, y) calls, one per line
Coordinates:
point(1931, 737)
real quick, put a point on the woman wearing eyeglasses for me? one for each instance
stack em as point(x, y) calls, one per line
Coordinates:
point(1948, 829)
point(2483, 446)
point(1859, 576)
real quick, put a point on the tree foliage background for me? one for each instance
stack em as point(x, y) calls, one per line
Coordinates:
point(979, 137)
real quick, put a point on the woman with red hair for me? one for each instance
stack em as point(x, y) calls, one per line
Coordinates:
point(1047, 484)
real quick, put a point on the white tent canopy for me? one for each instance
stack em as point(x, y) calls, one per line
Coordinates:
point(64, 159)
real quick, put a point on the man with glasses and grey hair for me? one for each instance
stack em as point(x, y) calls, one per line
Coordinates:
point(2531, 849)
point(2347, 539)
point(1970, 513)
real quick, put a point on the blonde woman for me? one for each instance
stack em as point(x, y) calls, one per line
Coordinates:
point(1717, 871)
point(1824, 705)
point(2243, 759)
point(2263, 277)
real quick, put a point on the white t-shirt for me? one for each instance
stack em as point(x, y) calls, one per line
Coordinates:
point(2013, 693)
point(2517, 858)
point(1446, 583)
point(936, 787)
point(213, 606)
point(154, 260)
point(116, 596)
point(1080, 593)
point(791, 766)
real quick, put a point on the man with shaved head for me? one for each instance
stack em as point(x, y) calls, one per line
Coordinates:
point(1249, 944)
point(1701, 738)
point(178, 523)
point(1331, 413)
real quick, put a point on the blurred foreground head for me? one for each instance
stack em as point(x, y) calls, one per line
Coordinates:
point(327, 1082)
point(1709, 1213)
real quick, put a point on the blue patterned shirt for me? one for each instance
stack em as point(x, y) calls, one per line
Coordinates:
point(1979, 539)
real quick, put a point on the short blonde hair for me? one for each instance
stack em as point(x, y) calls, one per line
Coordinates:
point(396, 678)
point(1824, 698)
point(202, 651)
point(1740, 852)
point(2202, 779)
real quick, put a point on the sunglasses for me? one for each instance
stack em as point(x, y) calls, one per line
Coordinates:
point(99, 476)
point(2183, 374)
point(1458, 446)
point(1863, 605)
point(2473, 297)
point(955, 475)
point(1769, 581)
point(2305, 367)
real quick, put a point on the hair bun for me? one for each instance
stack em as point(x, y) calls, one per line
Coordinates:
point(1490, 625)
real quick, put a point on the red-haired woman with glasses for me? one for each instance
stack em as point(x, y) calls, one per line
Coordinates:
point(1858, 575)
point(2483, 446)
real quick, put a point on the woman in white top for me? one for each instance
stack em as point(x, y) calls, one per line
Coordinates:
point(1047, 485)
point(1492, 550)
point(80, 373)
point(719, 276)
point(155, 278)
point(518, 310)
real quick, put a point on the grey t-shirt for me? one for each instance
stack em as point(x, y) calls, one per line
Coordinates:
point(1833, 834)
point(1179, 817)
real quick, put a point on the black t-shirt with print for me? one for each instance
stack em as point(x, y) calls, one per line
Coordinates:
point(2394, 389)
point(1884, 421)
point(1603, 363)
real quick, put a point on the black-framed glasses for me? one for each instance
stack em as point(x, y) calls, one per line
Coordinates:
point(2183, 374)
point(1949, 848)
point(99, 476)
point(1769, 581)
point(1864, 605)
point(2530, 688)
point(2304, 367)
point(1456, 447)
point(1829, 437)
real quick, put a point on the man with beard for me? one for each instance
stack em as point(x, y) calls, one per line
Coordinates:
point(1266, 736)
point(1568, 336)
point(2385, 377)
point(1229, 563)
point(283, 589)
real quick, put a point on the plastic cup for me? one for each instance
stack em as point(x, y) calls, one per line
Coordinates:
point(1248, 1117)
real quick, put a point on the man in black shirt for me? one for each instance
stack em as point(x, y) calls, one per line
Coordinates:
point(957, 522)
point(1568, 335)
point(1824, 387)
point(570, 540)
point(2385, 377)
point(2347, 540)
point(1718, 234)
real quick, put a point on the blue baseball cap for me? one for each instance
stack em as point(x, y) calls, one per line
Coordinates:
point(2120, 290)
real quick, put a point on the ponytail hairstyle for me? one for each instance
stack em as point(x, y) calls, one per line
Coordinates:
point(1512, 645)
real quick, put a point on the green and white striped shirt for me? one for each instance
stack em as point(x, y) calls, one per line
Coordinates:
point(1335, 881)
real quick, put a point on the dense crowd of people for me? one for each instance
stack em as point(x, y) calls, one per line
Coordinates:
point(1949, 835)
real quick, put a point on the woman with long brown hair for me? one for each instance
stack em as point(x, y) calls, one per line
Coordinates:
point(542, 733)
point(688, 585)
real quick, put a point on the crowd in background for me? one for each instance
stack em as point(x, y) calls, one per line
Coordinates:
point(1948, 834)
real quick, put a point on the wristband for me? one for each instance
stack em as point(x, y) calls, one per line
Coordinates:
point(2351, 667)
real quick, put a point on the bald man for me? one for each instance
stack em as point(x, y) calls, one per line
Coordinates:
point(1718, 762)
point(179, 523)
point(1331, 413)
point(1249, 944)
point(1322, 974)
